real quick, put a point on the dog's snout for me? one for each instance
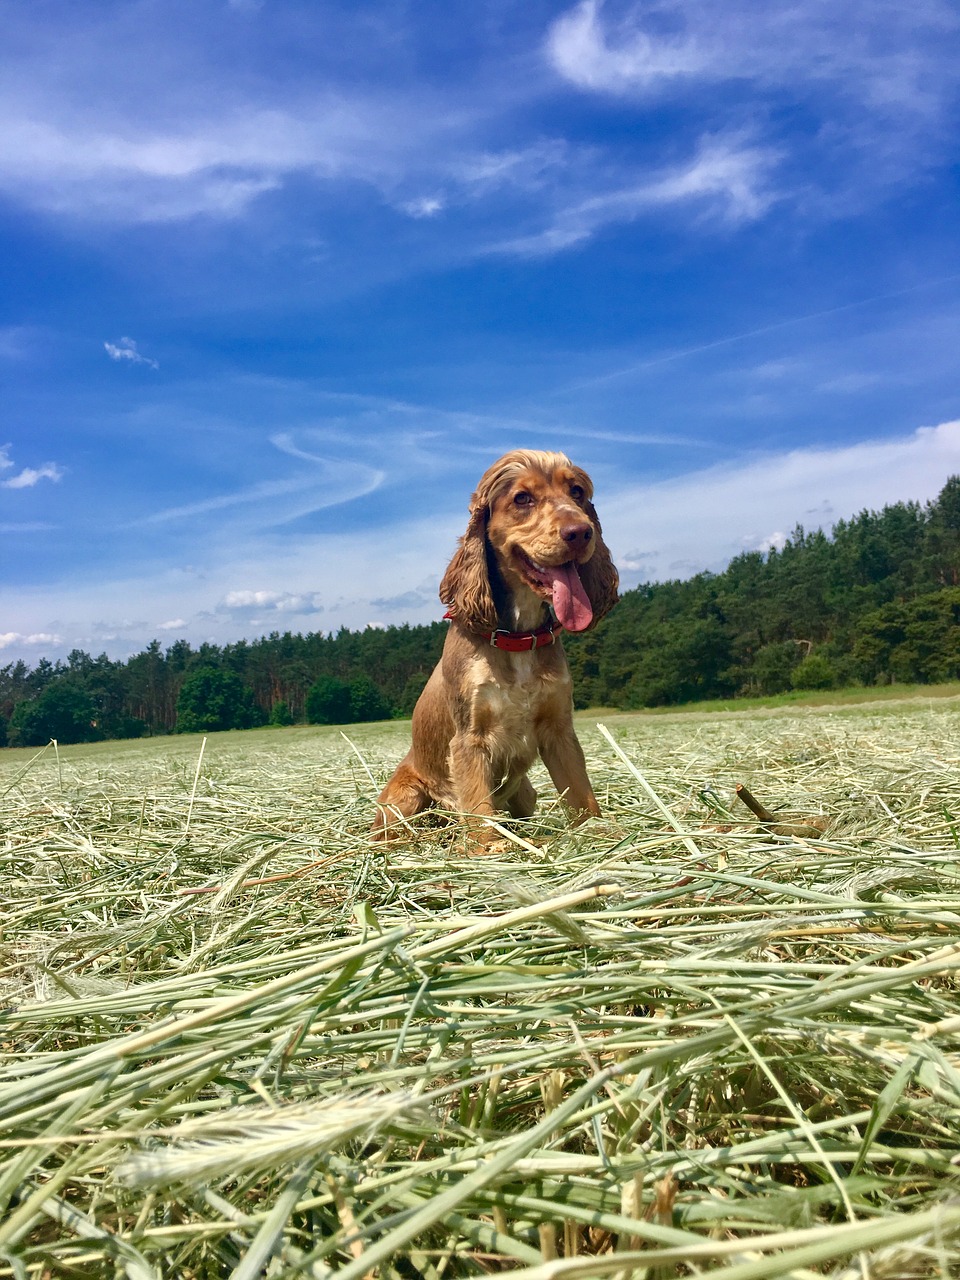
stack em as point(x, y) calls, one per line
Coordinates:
point(577, 535)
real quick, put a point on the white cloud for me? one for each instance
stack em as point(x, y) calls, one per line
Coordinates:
point(174, 624)
point(583, 51)
point(37, 640)
point(702, 519)
point(126, 350)
point(775, 541)
point(28, 476)
point(424, 206)
point(278, 601)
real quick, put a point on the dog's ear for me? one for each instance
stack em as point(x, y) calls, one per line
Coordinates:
point(465, 588)
point(599, 575)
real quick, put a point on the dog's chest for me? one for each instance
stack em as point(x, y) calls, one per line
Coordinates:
point(508, 703)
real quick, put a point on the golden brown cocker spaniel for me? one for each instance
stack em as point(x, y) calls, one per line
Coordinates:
point(501, 692)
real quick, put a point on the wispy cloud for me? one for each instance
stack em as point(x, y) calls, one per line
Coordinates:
point(328, 483)
point(15, 341)
point(114, 628)
point(125, 351)
point(656, 530)
point(136, 171)
point(873, 77)
point(729, 179)
point(422, 154)
point(169, 156)
point(773, 369)
point(406, 600)
point(315, 205)
point(874, 81)
point(871, 51)
point(27, 477)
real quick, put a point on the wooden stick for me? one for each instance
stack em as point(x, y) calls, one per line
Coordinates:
point(754, 805)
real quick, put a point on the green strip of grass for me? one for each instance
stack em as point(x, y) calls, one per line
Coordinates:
point(852, 696)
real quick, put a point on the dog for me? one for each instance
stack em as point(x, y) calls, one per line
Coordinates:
point(531, 564)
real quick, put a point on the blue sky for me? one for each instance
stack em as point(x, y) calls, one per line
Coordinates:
point(278, 280)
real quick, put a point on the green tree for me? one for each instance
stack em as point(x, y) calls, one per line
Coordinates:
point(280, 713)
point(212, 700)
point(106, 684)
point(773, 666)
point(686, 663)
point(416, 683)
point(814, 672)
point(942, 549)
point(15, 685)
point(64, 710)
point(328, 701)
point(367, 701)
point(918, 640)
point(865, 597)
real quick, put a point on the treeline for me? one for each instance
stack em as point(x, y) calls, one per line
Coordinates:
point(280, 679)
point(878, 601)
point(875, 603)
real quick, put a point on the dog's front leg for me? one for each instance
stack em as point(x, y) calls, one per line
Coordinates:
point(471, 772)
point(561, 752)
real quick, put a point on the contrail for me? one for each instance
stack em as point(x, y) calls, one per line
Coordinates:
point(643, 365)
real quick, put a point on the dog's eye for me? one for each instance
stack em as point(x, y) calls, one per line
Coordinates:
point(576, 492)
point(522, 499)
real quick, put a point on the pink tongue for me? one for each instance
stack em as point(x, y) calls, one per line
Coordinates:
point(570, 601)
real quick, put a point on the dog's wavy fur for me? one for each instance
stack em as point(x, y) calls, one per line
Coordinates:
point(485, 714)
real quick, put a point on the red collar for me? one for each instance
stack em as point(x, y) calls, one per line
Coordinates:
point(520, 641)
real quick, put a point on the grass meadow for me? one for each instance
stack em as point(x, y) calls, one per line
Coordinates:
point(239, 1040)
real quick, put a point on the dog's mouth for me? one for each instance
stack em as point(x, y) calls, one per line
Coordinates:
point(561, 585)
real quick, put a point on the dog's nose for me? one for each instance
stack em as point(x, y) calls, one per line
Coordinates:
point(577, 535)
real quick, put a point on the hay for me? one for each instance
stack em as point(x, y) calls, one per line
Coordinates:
point(237, 1039)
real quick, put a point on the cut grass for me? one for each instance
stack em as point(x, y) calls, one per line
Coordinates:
point(240, 1040)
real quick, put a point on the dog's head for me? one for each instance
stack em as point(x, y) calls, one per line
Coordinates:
point(533, 514)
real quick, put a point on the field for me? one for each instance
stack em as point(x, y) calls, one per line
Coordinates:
point(238, 1040)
